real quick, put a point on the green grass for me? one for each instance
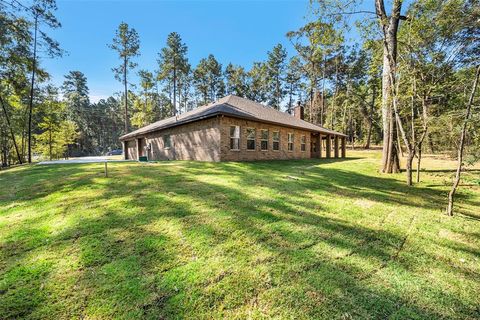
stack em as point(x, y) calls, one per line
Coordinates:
point(287, 239)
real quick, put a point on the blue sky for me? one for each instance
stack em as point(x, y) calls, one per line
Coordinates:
point(234, 31)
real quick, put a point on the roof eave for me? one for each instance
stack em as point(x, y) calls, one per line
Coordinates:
point(178, 123)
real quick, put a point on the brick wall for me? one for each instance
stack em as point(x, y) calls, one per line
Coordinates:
point(245, 155)
point(199, 140)
point(131, 147)
point(209, 140)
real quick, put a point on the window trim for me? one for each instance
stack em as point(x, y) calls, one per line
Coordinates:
point(273, 141)
point(254, 138)
point(262, 139)
point(164, 137)
point(290, 134)
point(303, 145)
point(233, 137)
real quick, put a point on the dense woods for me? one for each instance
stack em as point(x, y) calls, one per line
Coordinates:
point(404, 82)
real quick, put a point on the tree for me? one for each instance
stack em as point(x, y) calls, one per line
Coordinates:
point(258, 86)
point(42, 11)
point(275, 75)
point(57, 133)
point(208, 79)
point(461, 145)
point(127, 44)
point(76, 95)
point(15, 43)
point(389, 26)
point(185, 81)
point(433, 41)
point(144, 109)
point(293, 81)
point(173, 64)
point(236, 80)
point(314, 43)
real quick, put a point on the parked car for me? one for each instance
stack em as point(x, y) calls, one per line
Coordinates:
point(116, 152)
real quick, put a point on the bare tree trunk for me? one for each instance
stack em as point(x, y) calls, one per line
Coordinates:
point(125, 64)
point(422, 137)
point(411, 155)
point(369, 135)
point(11, 130)
point(174, 86)
point(389, 25)
point(397, 139)
point(310, 116)
point(322, 110)
point(30, 108)
point(50, 142)
point(370, 119)
point(419, 159)
point(461, 146)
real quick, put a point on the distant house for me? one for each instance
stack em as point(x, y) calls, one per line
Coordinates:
point(233, 129)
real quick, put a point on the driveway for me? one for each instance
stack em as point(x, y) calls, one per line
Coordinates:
point(86, 160)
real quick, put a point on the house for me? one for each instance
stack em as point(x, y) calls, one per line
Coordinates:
point(233, 129)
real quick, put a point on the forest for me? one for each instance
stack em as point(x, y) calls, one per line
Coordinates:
point(404, 83)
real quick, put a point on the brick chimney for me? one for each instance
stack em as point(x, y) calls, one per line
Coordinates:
point(298, 111)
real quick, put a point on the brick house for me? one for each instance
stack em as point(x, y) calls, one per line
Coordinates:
point(233, 129)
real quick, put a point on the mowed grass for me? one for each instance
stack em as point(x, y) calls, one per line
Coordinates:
point(320, 239)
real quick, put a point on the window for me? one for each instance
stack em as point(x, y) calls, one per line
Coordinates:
point(250, 139)
point(167, 143)
point(276, 140)
point(235, 138)
point(303, 142)
point(264, 140)
point(290, 142)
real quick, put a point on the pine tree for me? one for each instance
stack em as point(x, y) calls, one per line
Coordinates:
point(208, 80)
point(127, 45)
point(236, 80)
point(293, 81)
point(173, 65)
point(258, 85)
point(276, 65)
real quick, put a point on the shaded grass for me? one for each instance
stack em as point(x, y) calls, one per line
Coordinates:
point(286, 239)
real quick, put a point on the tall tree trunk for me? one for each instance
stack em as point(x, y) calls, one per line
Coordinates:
point(410, 157)
point(11, 130)
point(390, 149)
point(419, 159)
point(422, 137)
point(30, 108)
point(370, 119)
point(125, 63)
point(389, 26)
point(174, 87)
point(461, 146)
point(322, 110)
point(50, 142)
point(290, 99)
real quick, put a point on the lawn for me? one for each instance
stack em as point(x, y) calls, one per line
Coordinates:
point(287, 239)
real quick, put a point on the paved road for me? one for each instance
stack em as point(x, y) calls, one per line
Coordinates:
point(85, 160)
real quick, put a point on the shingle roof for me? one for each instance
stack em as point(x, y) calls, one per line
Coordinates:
point(236, 107)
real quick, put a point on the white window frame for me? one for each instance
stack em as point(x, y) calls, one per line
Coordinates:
point(262, 139)
point(167, 137)
point(254, 138)
point(236, 136)
point(273, 140)
point(290, 142)
point(303, 143)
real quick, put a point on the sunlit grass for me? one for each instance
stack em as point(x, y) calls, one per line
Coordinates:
point(285, 239)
